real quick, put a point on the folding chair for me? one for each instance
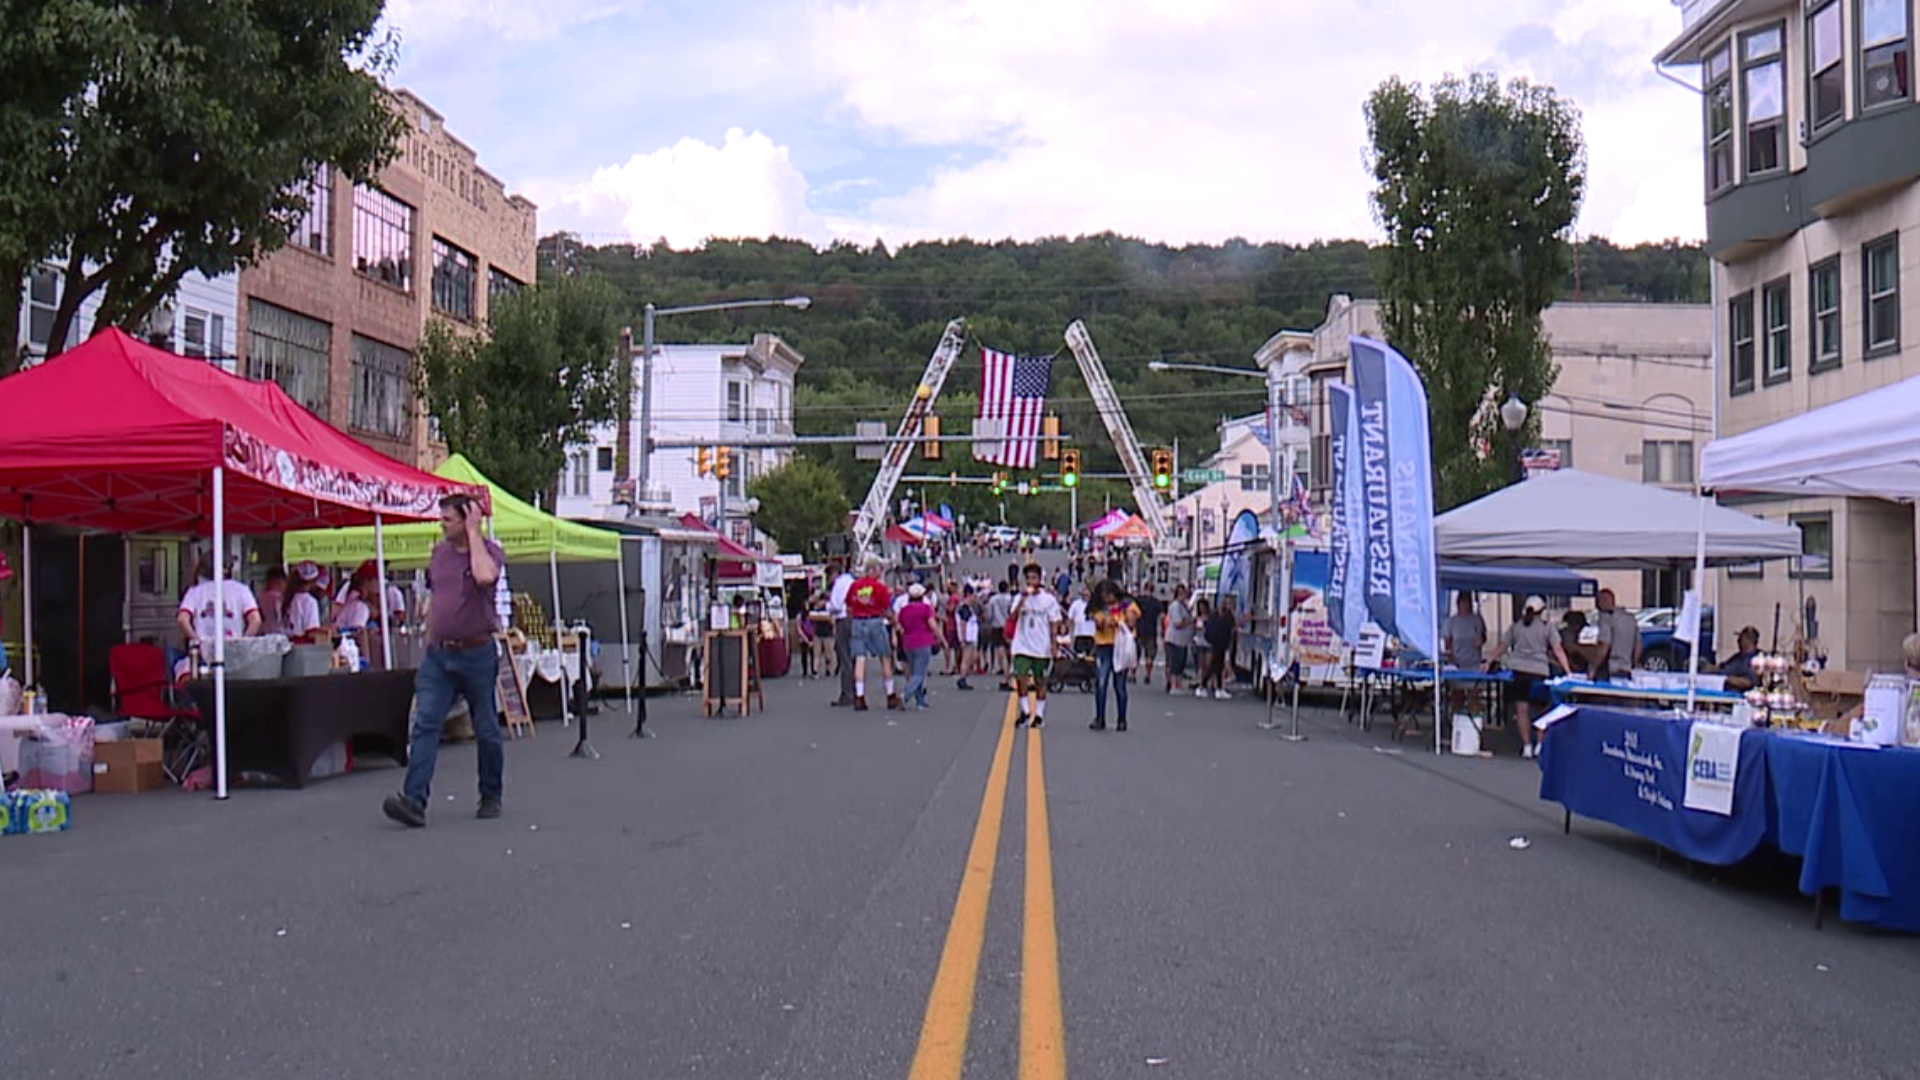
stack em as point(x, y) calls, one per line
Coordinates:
point(143, 689)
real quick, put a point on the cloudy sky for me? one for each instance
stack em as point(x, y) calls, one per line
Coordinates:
point(1177, 120)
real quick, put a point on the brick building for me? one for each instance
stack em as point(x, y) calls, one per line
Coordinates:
point(336, 316)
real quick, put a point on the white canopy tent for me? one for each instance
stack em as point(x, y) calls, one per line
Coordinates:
point(1576, 519)
point(1865, 446)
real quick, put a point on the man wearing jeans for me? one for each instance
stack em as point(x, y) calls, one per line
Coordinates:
point(460, 660)
point(842, 633)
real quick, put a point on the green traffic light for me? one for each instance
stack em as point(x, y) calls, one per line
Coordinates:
point(1161, 480)
point(1070, 480)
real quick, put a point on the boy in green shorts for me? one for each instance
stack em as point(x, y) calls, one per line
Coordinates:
point(1036, 617)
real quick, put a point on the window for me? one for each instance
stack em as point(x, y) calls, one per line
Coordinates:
point(1886, 54)
point(43, 301)
point(291, 350)
point(1776, 313)
point(1740, 325)
point(1665, 461)
point(1823, 302)
point(1816, 547)
point(581, 476)
point(314, 230)
point(499, 284)
point(1254, 477)
point(217, 341)
point(1764, 97)
point(1719, 95)
point(1320, 463)
point(193, 334)
point(455, 278)
point(736, 403)
point(1881, 272)
point(604, 459)
point(1826, 75)
point(761, 417)
point(382, 237)
point(382, 389)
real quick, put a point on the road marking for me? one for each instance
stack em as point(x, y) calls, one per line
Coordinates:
point(942, 1054)
point(1043, 1029)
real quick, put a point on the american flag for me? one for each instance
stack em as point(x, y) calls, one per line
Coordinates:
point(1013, 405)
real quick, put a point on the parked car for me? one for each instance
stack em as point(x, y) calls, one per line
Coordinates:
point(1660, 650)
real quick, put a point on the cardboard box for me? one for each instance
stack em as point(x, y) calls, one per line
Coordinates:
point(128, 766)
point(1833, 693)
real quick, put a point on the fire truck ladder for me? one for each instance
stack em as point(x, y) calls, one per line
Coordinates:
point(893, 463)
point(1114, 416)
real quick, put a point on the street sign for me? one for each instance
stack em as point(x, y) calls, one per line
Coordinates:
point(1203, 476)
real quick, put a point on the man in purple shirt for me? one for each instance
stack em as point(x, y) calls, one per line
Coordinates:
point(460, 660)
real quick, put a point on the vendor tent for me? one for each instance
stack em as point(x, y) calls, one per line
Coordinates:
point(1867, 445)
point(122, 437)
point(1131, 530)
point(1571, 518)
point(1515, 580)
point(522, 530)
point(525, 532)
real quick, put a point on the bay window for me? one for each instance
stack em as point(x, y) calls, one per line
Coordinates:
point(1886, 53)
point(1719, 73)
point(1763, 82)
point(1826, 74)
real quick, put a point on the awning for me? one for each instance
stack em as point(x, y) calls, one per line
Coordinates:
point(524, 532)
point(1576, 519)
point(1516, 580)
point(120, 436)
point(1865, 446)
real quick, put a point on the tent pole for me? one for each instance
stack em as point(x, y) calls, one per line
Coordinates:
point(126, 587)
point(626, 639)
point(559, 640)
point(1700, 593)
point(220, 632)
point(380, 593)
point(26, 608)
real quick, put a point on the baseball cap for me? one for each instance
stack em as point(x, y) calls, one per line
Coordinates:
point(916, 590)
point(1535, 603)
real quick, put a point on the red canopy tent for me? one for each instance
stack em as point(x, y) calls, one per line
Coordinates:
point(735, 562)
point(122, 437)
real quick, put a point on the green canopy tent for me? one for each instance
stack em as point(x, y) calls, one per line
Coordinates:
point(522, 530)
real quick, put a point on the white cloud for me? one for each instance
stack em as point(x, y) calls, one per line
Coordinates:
point(689, 192)
point(1199, 121)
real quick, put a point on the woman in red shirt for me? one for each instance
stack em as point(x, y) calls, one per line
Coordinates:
point(919, 633)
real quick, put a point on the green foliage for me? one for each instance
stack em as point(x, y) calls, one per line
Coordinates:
point(514, 399)
point(141, 141)
point(800, 503)
point(877, 315)
point(1477, 186)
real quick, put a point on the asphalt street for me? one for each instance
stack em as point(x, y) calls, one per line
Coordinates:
point(775, 897)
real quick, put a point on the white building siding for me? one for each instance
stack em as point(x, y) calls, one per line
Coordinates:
point(208, 306)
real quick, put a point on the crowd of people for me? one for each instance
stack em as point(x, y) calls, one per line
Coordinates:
point(297, 602)
point(1026, 631)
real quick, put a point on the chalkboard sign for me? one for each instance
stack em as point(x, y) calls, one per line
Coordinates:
point(512, 692)
point(732, 673)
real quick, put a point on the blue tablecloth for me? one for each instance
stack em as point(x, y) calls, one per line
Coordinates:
point(1850, 814)
point(1630, 769)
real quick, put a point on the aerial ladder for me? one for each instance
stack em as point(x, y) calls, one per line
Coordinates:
point(1114, 416)
point(893, 463)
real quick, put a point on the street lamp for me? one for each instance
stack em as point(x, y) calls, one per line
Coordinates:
point(797, 303)
point(1164, 365)
point(1513, 417)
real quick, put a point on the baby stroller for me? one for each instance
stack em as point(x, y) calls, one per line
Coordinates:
point(1070, 669)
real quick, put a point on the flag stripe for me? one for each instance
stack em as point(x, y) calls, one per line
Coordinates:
point(1013, 406)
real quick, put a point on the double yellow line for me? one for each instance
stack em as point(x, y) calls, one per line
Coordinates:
point(1043, 1038)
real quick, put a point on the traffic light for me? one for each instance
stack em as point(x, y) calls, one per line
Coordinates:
point(703, 460)
point(1069, 468)
point(1163, 469)
point(1050, 438)
point(723, 462)
point(930, 427)
point(999, 483)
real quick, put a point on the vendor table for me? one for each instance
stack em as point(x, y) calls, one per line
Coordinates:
point(1410, 691)
point(280, 727)
point(1844, 809)
point(1572, 690)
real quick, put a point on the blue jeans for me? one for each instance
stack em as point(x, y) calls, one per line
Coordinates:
point(444, 673)
point(1103, 676)
point(918, 660)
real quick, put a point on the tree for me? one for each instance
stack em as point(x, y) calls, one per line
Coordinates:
point(1478, 184)
point(799, 503)
point(513, 399)
point(142, 141)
